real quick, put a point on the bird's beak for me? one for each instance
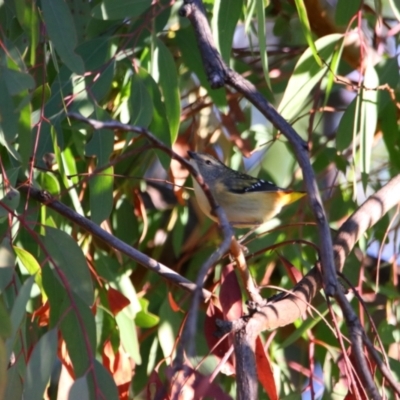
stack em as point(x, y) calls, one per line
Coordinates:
point(191, 154)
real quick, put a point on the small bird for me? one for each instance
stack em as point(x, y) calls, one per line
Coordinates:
point(247, 201)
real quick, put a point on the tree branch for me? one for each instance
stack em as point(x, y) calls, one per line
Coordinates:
point(218, 75)
point(287, 309)
point(168, 274)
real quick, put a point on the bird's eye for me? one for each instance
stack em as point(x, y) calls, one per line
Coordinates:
point(208, 162)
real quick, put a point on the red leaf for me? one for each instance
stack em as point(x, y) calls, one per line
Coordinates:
point(63, 356)
point(119, 366)
point(172, 303)
point(264, 371)
point(230, 294)
point(155, 389)
point(294, 274)
point(43, 313)
point(108, 356)
point(203, 387)
point(116, 300)
point(213, 313)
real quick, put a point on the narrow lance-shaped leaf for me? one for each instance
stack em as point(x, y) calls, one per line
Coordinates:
point(32, 266)
point(226, 14)
point(305, 24)
point(120, 9)
point(40, 366)
point(68, 256)
point(306, 75)
point(61, 29)
point(262, 39)
point(168, 79)
point(18, 313)
point(369, 119)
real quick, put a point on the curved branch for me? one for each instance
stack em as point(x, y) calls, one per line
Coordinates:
point(286, 310)
point(150, 263)
point(219, 74)
point(368, 214)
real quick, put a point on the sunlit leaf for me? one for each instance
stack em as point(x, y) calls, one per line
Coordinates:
point(395, 5)
point(306, 75)
point(305, 24)
point(32, 266)
point(368, 119)
point(128, 335)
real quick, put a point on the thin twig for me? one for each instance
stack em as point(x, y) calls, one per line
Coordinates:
point(170, 275)
point(189, 332)
point(218, 75)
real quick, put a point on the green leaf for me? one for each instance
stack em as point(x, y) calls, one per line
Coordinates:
point(81, 13)
point(79, 389)
point(8, 118)
point(32, 266)
point(226, 14)
point(4, 362)
point(140, 103)
point(106, 384)
point(68, 257)
point(101, 195)
point(369, 118)
point(128, 335)
point(17, 81)
point(101, 86)
point(78, 329)
point(5, 326)
point(28, 17)
point(40, 95)
point(120, 9)
point(305, 24)
point(395, 5)
point(7, 263)
point(102, 142)
point(61, 29)
point(344, 135)
point(94, 52)
point(345, 11)
point(10, 202)
point(306, 75)
point(391, 134)
point(18, 313)
point(25, 135)
point(5, 143)
point(168, 328)
point(50, 183)
point(186, 42)
point(159, 125)
point(144, 318)
point(14, 384)
point(168, 78)
point(56, 293)
point(262, 43)
point(40, 366)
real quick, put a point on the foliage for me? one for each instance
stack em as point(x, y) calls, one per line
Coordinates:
point(77, 314)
